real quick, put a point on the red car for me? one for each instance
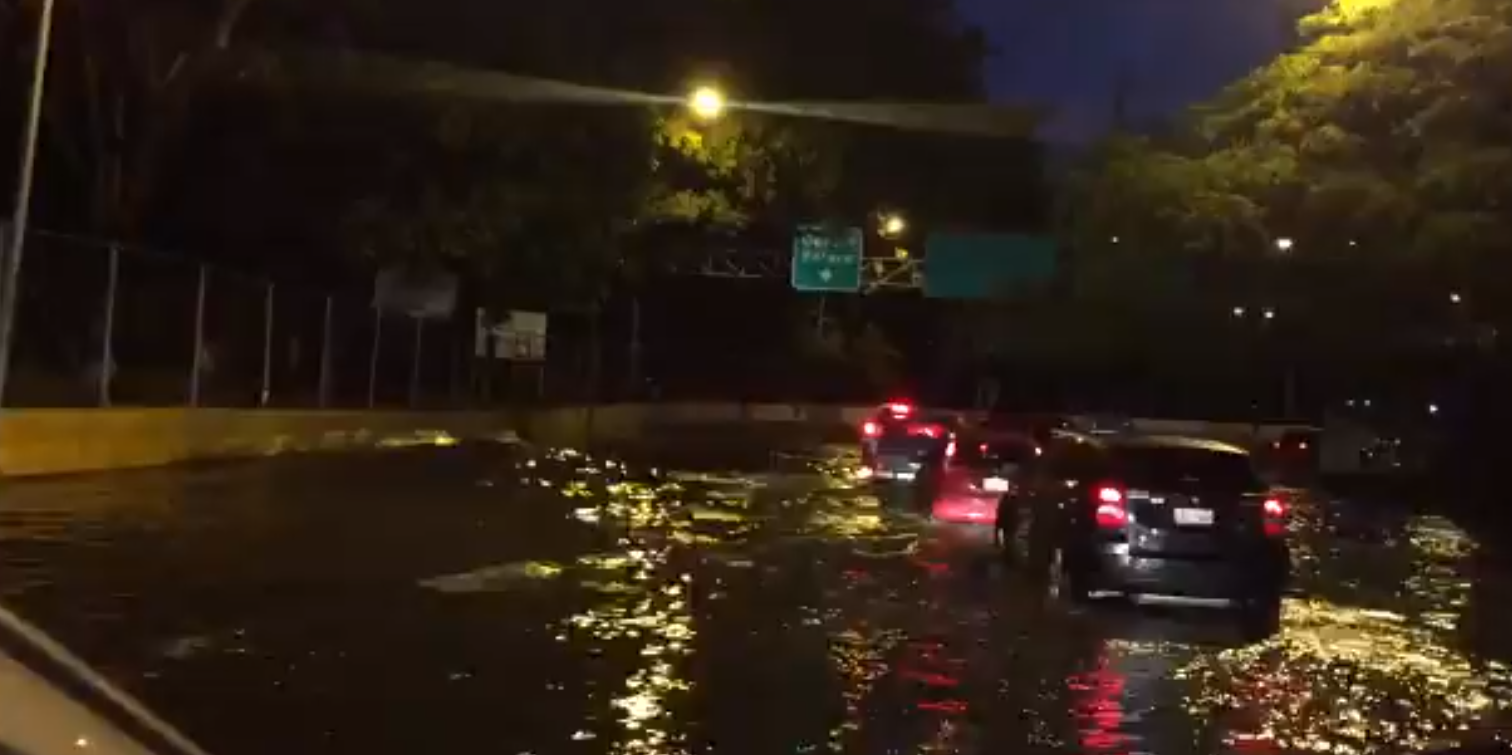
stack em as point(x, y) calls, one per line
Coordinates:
point(984, 468)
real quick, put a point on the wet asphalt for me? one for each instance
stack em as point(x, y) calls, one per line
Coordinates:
point(496, 599)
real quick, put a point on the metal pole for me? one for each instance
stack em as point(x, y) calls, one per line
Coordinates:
point(414, 383)
point(819, 321)
point(325, 354)
point(373, 358)
point(107, 333)
point(635, 346)
point(267, 355)
point(10, 284)
point(197, 359)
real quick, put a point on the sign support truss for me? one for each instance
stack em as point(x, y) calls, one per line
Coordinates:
point(877, 273)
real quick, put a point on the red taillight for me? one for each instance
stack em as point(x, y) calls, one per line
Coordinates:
point(871, 429)
point(950, 450)
point(1111, 513)
point(1275, 516)
point(900, 408)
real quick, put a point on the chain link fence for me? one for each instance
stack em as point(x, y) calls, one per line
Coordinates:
point(104, 324)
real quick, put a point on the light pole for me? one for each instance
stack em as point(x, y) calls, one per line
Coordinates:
point(707, 103)
point(10, 272)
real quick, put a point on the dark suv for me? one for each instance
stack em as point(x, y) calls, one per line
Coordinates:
point(1150, 517)
point(903, 447)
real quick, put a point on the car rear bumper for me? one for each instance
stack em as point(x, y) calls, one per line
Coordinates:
point(1114, 569)
point(961, 534)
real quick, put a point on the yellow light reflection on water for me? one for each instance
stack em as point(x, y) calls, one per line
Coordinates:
point(1340, 679)
point(649, 607)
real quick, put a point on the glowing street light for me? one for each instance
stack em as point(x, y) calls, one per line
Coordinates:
point(707, 103)
point(893, 225)
point(1284, 244)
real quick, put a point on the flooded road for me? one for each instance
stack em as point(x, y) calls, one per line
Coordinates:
point(508, 600)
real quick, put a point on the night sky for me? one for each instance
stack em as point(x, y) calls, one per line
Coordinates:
point(1068, 54)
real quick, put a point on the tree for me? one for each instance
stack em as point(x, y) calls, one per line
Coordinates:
point(123, 84)
point(1377, 145)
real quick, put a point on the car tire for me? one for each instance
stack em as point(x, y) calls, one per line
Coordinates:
point(1008, 537)
point(1064, 579)
point(924, 490)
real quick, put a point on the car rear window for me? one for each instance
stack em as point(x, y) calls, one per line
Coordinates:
point(1157, 467)
point(978, 454)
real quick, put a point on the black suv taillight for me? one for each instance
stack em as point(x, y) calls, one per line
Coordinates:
point(1111, 512)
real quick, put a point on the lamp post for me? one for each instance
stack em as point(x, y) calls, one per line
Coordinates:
point(10, 268)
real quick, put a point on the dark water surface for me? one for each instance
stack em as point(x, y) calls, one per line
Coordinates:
point(487, 599)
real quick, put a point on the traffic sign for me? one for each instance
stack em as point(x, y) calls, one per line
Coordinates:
point(827, 259)
point(986, 265)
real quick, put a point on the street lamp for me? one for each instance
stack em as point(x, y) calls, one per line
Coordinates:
point(707, 103)
point(893, 225)
point(1284, 244)
point(15, 245)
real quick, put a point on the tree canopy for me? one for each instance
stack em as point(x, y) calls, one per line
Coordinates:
point(1356, 182)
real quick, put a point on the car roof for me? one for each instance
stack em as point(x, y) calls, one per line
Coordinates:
point(1115, 442)
point(1176, 441)
point(999, 435)
point(918, 412)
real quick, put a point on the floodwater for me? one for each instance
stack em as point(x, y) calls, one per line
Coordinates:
point(513, 600)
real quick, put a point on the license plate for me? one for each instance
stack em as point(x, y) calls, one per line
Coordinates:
point(995, 485)
point(1192, 517)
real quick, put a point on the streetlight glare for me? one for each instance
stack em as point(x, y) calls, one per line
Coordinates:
point(707, 103)
point(893, 225)
point(1284, 244)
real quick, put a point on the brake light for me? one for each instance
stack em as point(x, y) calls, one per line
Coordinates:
point(900, 408)
point(1110, 513)
point(950, 449)
point(871, 429)
point(1275, 516)
point(1274, 508)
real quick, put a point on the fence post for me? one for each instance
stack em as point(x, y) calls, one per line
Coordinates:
point(325, 355)
point(267, 356)
point(107, 331)
point(635, 348)
point(414, 377)
point(373, 358)
point(199, 336)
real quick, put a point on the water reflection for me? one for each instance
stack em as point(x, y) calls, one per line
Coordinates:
point(1097, 707)
point(857, 638)
point(646, 613)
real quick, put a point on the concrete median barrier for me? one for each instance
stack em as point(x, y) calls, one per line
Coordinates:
point(57, 441)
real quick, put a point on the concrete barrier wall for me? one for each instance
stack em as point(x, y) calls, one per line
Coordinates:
point(54, 441)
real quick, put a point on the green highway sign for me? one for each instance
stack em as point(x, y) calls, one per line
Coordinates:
point(827, 259)
point(987, 265)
